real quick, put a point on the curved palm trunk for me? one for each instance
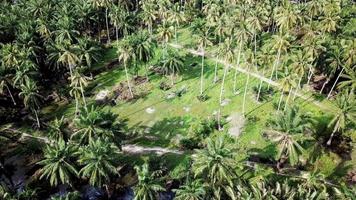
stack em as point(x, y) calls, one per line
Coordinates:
point(280, 101)
point(290, 91)
point(76, 106)
point(216, 72)
point(298, 86)
point(322, 88)
point(260, 87)
point(107, 24)
point(330, 138)
point(37, 119)
point(127, 79)
point(221, 95)
point(310, 74)
point(82, 91)
point(244, 101)
point(12, 98)
point(238, 63)
point(274, 68)
point(175, 34)
point(202, 73)
point(335, 82)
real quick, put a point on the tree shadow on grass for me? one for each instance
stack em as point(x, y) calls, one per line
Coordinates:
point(340, 171)
point(263, 156)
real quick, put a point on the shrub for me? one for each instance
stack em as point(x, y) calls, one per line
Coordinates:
point(189, 143)
point(202, 97)
point(164, 86)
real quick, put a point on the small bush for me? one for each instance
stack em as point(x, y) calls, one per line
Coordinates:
point(164, 86)
point(189, 143)
point(202, 97)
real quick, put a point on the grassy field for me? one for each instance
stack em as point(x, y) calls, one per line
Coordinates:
point(172, 117)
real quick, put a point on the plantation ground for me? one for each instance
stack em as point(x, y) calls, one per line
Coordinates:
point(172, 117)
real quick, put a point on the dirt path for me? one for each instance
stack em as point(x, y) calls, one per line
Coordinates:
point(256, 75)
point(135, 149)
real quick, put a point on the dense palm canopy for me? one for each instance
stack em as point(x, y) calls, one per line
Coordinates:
point(58, 166)
point(98, 160)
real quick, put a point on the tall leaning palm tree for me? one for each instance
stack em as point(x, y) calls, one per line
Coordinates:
point(98, 4)
point(31, 98)
point(173, 64)
point(57, 163)
point(126, 54)
point(280, 44)
point(204, 41)
point(346, 113)
point(147, 187)
point(99, 161)
point(165, 33)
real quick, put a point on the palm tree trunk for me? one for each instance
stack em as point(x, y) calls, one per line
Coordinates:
point(260, 87)
point(298, 86)
point(202, 73)
point(76, 106)
point(221, 94)
point(332, 88)
point(310, 74)
point(244, 101)
point(330, 138)
point(216, 72)
point(12, 98)
point(38, 121)
point(326, 82)
point(107, 23)
point(280, 101)
point(175, 33)
point(82, 91)
point(238, 63)
point(127, 79)
point(274, 68)
point(290, 91)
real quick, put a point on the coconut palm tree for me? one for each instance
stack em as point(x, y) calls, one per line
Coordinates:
point(126, 54)
point(99, 161)
point(148, 14)
point(90, 126)
point(350, 81)
point(31, 98)
point(346, 114)
point(242, 34)
point(98, 4)
point(144, 49)
point(280, 44)
point(204, 41)
point(287, 16)
point(287, 130)
point(78, 80)
point(216, 165)
point(176, 17)
point(287, 84)
point(301, 61)
point(63, 54)
point(147, 186)
point(57, 163)
point(5, 82)
point(173, 64)
point(335, 64)
point(193, 190)
point(165, 33)
point(88, 51)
